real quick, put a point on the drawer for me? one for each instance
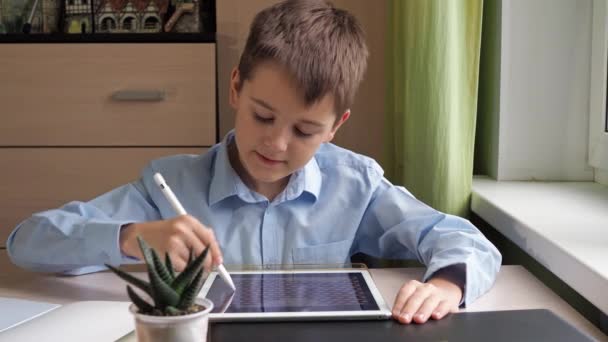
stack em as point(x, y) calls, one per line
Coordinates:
point(63, 94)
point(36, 179)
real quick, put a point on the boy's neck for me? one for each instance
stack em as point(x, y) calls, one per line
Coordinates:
point(269, 190)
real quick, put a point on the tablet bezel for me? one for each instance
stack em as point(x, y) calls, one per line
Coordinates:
point(382, 313)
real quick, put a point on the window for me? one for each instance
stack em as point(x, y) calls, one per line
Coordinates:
point(598, 100)
point(107, 24)
point(606, 109)
point(152, 23)
point(129, 24)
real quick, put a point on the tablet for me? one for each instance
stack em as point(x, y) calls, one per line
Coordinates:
point(295, 295)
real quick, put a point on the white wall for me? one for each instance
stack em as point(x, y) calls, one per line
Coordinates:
point(544, 91)
point(598, 136)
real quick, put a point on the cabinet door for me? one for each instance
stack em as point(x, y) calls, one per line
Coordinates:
point(108, 94)
point(36, 179)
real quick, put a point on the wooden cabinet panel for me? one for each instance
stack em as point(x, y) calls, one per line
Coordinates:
point(36, 179)
point(62, 94)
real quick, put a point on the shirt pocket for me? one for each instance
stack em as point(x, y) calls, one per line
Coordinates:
point(327, 253)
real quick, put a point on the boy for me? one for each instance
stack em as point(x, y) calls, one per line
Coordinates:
point(275, 191)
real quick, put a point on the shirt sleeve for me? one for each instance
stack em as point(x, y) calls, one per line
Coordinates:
point(80, 237)
point(398, 226)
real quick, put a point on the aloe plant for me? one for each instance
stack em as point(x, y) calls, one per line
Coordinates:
point(173, 294)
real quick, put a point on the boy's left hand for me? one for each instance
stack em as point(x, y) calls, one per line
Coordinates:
point(417, 302)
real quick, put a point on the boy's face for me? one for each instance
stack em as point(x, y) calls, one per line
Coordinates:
point(276, 133)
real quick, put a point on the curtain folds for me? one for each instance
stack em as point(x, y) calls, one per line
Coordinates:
point(433, 68)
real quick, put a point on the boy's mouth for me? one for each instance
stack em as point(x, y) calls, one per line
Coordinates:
point(267, 160)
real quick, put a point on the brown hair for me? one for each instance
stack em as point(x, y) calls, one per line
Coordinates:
point(322, 47)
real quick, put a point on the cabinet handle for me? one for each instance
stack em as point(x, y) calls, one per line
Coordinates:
point(139, 95)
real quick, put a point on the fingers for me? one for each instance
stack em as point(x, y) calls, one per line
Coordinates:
point(442, 309)
point(426, 309)
point(177, 237)
point(208, 262)
point(418, 302)
point(207, 237)
point(198, 237)
point(179, 253)
point(414, 302)
point(404, 294)
point(192, 240)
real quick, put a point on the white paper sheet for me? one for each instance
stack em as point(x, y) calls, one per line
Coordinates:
point(80, 321)
point(14, 311)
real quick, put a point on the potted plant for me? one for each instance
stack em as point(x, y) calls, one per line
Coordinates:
point(175, 314)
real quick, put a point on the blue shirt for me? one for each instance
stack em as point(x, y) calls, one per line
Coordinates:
point(339, 204)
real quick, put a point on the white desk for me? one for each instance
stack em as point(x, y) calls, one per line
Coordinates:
point(515, 289)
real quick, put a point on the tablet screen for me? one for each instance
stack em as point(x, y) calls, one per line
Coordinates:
point(292, 292)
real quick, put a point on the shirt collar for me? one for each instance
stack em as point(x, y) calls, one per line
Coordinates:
point(225, 182)
point(223, 178)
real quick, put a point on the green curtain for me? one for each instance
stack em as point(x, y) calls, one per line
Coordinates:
point(433, 66)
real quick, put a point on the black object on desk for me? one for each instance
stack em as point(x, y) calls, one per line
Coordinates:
point(494, 326)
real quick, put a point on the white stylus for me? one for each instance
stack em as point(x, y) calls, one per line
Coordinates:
point(177, 206)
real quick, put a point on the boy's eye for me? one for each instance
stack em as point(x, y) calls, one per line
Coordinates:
point(262, 119)
point(269, 120)
point(302, 134)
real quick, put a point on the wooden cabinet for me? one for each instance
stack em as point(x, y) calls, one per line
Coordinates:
point(81, 119)
point(107, 94)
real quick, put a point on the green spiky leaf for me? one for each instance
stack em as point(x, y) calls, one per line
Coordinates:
point(143, 285)
point(172, 293)
point(161, 269)
point(145, 251)
point(162, 293)
point(142, 305)
point(190, 293)
point(184, 278)
point(169, 265)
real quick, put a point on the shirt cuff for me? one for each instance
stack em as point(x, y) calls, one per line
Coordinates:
point(126, 259)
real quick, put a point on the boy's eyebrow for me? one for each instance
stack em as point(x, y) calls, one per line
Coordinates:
point(310, 122)
point(263, 104)
point(271, 108)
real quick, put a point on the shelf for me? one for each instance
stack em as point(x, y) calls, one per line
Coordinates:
point(17, 38)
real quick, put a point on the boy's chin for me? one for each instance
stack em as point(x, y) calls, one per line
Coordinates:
point(270, 178)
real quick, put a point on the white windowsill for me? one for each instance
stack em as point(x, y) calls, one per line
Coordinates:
point(563, 225)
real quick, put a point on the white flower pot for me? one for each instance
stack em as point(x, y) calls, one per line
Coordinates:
point(186, 328)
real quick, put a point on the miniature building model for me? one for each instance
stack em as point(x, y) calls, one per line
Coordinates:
point(78, 16)
point(113, 16)
point(103, 16)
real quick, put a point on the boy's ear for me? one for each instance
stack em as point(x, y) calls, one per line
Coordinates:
point(233, 94)
point(337, 125)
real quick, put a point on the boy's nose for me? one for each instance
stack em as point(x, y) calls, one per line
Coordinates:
point(277, 140)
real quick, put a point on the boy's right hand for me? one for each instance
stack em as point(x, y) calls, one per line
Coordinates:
point(174, 236)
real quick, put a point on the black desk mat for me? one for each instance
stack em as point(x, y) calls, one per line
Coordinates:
point(493, 326)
